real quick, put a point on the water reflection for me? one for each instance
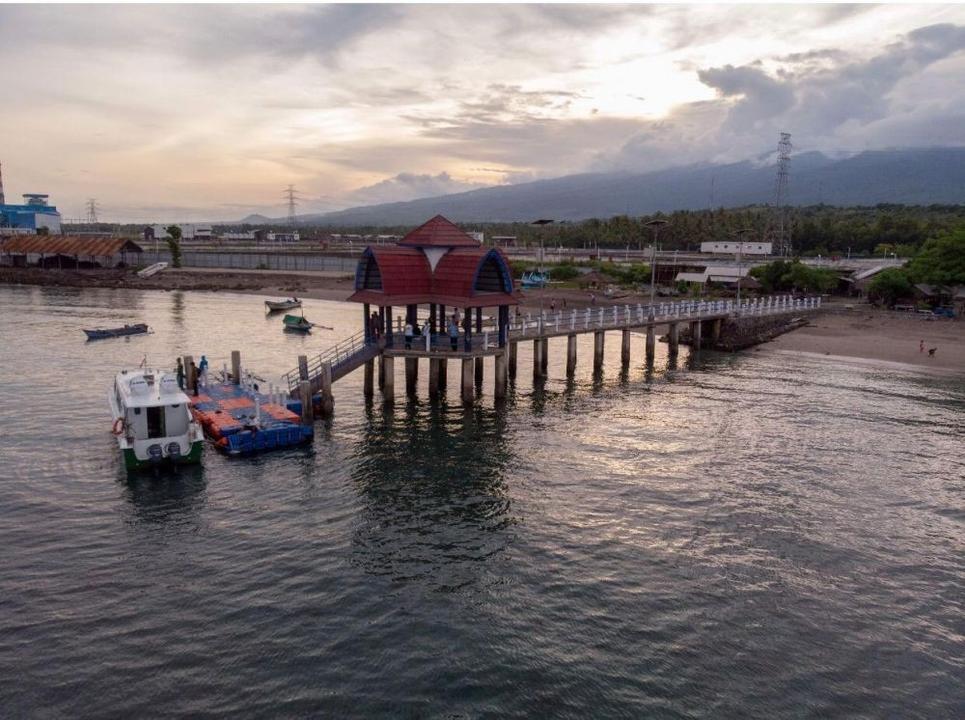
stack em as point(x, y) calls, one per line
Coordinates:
point(177, 308)
point(436, 501)
point(166, 496)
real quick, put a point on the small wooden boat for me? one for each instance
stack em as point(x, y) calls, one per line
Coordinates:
point(279, 305)
point(152, 270)
point(101, 333)
point(535, 279)
point(297, 323)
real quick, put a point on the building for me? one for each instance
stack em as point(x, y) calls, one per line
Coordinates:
point(189, 232)
point(31, 216)
point(721, 275)
point(439, 266)
point(66, 252)
point(732, 247)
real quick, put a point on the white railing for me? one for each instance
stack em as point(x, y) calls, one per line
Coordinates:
point(617, 316)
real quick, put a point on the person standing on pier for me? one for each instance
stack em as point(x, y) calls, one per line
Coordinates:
point(408, 335)
point(453, 333)
point(180, 372)
point(203, 367)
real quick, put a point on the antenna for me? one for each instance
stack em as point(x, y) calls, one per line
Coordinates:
point(781, 194)
point(91, 211)
point(2, 199)
point(291, 194)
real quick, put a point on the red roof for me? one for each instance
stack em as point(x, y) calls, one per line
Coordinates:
point(67, 245)
point(438, 232)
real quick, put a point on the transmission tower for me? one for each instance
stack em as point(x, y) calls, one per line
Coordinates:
point(291, 195)
point(783, 237)
point(91, 211)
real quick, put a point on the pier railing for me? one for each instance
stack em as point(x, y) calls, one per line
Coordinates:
point(346, 352)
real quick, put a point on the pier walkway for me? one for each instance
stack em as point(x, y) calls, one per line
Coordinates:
point(471, 347)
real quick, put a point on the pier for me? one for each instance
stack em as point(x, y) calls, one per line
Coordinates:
point(457, 297)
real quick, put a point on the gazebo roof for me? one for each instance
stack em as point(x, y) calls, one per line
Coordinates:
point(438, 232)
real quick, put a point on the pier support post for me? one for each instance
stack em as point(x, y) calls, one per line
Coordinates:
point(388, 380)
point(673, 340)
point(597, 351)
point(625, 346)
point(651, 343)
point(544, 358)
point(570, 355)
point(411, 374)
point(367, 386)
point(328, 401)
point(715, 333)
point(381, 372)
point(235, 366)
point(479, 371)
point(537, 359)
point(443, 373)
point(499, 376)
point(467, 388)
point(434, 377)
point(695, 332)
point(305, 396)
point(303, 367)
point(189, 377)
point(513, 347)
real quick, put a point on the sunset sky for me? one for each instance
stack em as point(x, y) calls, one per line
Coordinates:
point(207, 112)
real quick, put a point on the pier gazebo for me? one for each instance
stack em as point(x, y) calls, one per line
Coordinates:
point(439, 266)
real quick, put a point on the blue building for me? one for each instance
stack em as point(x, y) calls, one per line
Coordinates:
point(34, 214)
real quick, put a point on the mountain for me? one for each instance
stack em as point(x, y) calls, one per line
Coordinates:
point(911, 177)
point(256, 219)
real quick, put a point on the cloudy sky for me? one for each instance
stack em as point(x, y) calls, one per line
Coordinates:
point(208, 112)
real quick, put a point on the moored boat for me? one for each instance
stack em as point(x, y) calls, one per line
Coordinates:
point(535, 279)
point(297, 323)
point(101, 333)
point(279, 305)
point(152, 420)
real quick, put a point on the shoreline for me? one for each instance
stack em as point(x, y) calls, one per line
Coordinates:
point(845, 330)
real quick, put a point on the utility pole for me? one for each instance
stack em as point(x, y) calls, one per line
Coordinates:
point(740, 247)
point(291, 194)
point(91, 211)
point(655, 226)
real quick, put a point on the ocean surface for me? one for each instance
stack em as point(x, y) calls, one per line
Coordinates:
point(759, 535)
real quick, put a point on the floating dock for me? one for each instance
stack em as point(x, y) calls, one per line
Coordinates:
point(241, 420)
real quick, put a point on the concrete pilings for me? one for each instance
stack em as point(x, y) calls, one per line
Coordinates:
point(673, 340)
point(695, 333)
point(368, 389)
point(625, 347)
point(327, 399)
point(235, 367)
point(443, 373)
point(411, 375)
point(537, 359)
point(305, 397)
point(651, 343)
point(544, 358)
point(512, 348)
point(467, 380)
point(388, 380)
point(570, 355)
point(381, 372)
point(715, 332)
point(479, 371)
point(499, 376)
point(598, 351)
point(434, 377)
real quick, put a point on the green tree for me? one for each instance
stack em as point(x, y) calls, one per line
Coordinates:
point(890, 286)
point(174, 245)
point(941, 260)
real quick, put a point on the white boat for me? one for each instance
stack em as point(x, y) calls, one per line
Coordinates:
point(152, 420)
point(279, 305)
point(152, 270)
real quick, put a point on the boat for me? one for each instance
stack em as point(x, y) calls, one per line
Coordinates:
point(153, 423)
point(535, 279)
point(279, 305)
point(298, 323)
point(101, 333)
point(152, 270)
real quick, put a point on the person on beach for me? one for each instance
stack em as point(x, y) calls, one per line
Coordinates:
point(408, 336)
point(180, 371)
point(204, 370)
point(552, 305)
point(592, 298)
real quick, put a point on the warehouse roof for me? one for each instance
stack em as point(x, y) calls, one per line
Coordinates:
point(66, 245)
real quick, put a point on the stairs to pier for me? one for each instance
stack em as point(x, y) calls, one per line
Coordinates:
point(344, 357)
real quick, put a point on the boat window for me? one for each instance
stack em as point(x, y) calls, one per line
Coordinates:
point(137, 411)
point(155, 422)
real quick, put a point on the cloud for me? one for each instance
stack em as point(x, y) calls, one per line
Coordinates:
point(409, 186)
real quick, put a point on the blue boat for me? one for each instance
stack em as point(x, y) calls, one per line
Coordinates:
point(100, 334)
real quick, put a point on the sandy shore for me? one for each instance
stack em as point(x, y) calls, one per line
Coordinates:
point(864, 332)
point(873, 334)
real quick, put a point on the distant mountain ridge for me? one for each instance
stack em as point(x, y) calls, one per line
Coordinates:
point(911, 177)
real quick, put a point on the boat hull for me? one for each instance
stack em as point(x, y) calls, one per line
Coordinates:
point(138, 329)
point(132, 462)
point(279, 306)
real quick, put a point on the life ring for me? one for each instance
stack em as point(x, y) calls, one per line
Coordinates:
point(118, 427)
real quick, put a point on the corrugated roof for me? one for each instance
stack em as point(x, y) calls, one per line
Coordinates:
point(438, 232)
point(65, 245)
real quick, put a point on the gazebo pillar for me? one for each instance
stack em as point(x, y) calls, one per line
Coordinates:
point(388, 325)
point(479, 360)
point(467, 328)
point(366, 322)
point(432, 319)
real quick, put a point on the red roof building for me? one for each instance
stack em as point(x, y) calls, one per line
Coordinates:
point(438, 265)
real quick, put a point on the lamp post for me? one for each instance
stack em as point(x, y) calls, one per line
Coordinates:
point(654, 225)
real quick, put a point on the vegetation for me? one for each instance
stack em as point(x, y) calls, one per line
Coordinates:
point(890, 286)
point(174, 245)
point(783, 275)
point(941, 260)
point(564, 271)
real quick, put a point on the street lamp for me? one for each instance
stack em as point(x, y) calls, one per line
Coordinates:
point(654, 225)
